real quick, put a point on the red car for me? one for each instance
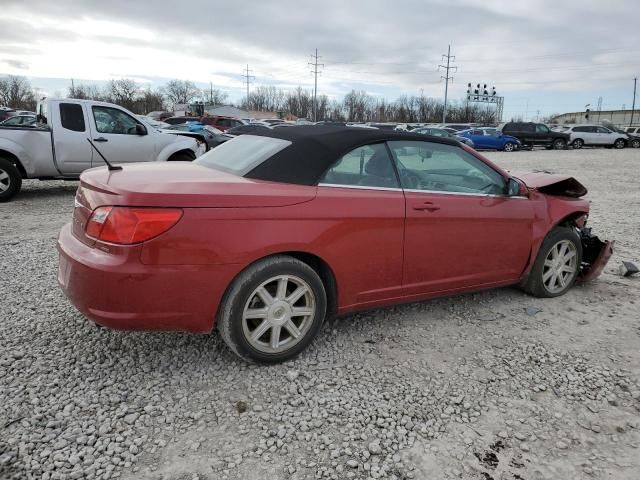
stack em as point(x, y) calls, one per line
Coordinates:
point(220, 122)
point(266, 235)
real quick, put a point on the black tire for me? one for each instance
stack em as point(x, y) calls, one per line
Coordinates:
point(230, 321)
point(559, 144)
point(10, 180)
point(509, 147)
point(635, 143)
point(182, 157)
point(619, 143)
point(578, 143)
point(534, 284)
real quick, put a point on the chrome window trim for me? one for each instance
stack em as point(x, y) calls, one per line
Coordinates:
point(360, 187)
point(414, 190)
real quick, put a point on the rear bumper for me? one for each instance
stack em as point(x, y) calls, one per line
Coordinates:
point(117, 291)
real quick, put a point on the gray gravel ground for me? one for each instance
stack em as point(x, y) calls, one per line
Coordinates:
point(494, 385)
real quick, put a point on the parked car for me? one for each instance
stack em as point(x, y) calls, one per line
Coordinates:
point(6, 113)
point(634, 136)
point(251, 128)
point(220, 122)
point(210, 136)
point(596, 135)
point(19, 121)
point(532, 134)
point(633, 130)
point(267, 235)
point(633, 140)
point(491, 139)
point(57, 148)
point(441, 132)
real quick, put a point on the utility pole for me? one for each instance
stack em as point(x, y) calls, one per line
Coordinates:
point(247, 78)
point(633, 107)
point(73, 89)
point(450, 58)
point(315, 72)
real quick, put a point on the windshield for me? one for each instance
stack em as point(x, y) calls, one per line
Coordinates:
point(242, 154)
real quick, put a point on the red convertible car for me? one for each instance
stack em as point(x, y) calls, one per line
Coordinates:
point(266, 235)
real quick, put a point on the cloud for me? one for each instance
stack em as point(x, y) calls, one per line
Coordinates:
point(373, 44)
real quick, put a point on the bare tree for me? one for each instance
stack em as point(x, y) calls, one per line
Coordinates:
point(17, 92)
point(180, 91)
point(123, 92)
point(214, 96)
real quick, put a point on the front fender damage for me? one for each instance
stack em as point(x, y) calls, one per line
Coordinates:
point(595, 255)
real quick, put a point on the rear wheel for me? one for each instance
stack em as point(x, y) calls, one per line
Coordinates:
point(557, 265)
point(619, 143)
point(509, 147)
point(273, 310)
point(559, 144)
point(578, 143)
point(10, 180)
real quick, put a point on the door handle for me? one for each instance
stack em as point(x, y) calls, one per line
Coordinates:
point(100, 139)
point(429, 206)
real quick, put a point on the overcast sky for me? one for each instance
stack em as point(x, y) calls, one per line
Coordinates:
point(545, 55)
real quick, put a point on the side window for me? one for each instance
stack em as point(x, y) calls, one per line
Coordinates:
point(528, 128)
point(112, 120)
point(579, 129)
point(444, 168)
point(224, 122)
point(542, 129)
point(72, 117)
point(603, 130)
point(477, 132)
point(366, 166)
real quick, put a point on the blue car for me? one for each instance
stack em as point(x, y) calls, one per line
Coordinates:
point(490, 139)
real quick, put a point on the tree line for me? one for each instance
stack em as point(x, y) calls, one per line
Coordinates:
point(355, 106)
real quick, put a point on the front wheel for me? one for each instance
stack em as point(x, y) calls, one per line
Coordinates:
point(273, 310)
point(10, 180)
point(619, 143)
point(509, 147)
point(559, 144)
point(578, 143)
point(557, 265)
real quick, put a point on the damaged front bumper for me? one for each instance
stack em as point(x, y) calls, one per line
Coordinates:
point(595, 255)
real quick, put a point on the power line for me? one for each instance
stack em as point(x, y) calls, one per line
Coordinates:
point(315, 72)
point(446, 79)
point(247, 79)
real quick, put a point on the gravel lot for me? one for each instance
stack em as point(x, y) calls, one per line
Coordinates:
point(496, 385)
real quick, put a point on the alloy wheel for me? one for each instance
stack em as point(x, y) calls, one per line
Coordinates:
point(560, 266)
point(278, 314)
point(619, 144)
point(508, 147)
point(5, 181)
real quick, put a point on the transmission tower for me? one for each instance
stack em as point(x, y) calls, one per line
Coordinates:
point(248, 78)
point(314, 63)
point(448, 67)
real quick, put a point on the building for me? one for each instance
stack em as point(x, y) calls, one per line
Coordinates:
point(620, 118)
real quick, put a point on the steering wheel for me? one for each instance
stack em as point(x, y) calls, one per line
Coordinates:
point(409, 179)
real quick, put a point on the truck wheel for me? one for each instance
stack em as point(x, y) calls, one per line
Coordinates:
point(559, 144)
point(181, 157)
point(10, 180)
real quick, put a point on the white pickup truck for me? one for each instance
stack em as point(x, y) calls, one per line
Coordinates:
point(56, 147)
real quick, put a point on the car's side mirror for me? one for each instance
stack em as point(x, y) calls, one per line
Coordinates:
point(140, 129)
point(515, 188)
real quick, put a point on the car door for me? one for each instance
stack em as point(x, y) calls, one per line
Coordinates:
point(461, 229)
point(479, 139)
point(543, 134)
point(363, 203)
point(529, 135)
point(492, 138)
point(72, 152)
point(115, 133)
point(604, 136)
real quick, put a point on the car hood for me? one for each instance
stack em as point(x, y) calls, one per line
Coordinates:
point(552, 184)
point(184, 185)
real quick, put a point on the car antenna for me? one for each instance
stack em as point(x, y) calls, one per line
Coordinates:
point(110, 166)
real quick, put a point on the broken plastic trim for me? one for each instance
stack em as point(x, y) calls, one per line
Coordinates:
point(595, 255)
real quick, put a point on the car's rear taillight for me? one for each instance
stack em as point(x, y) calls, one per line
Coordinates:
point(128, 225)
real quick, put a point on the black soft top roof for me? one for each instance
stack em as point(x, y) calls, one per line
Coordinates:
point(314, 148)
